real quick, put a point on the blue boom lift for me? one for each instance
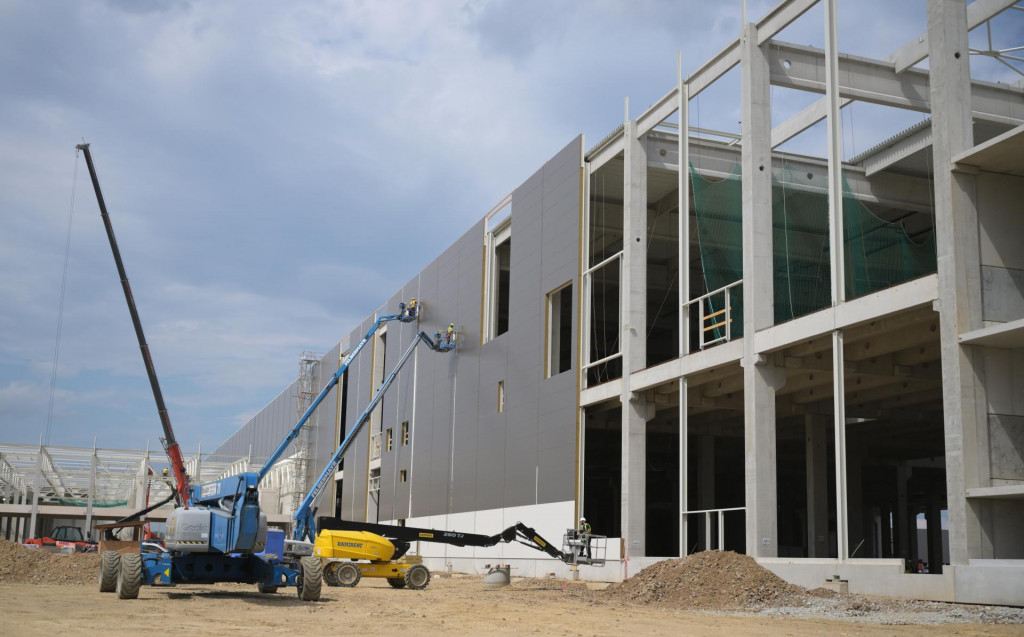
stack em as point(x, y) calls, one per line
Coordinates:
point(217, 531)
point(217, 539)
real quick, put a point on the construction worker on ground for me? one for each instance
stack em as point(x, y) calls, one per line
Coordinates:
point(584, 531)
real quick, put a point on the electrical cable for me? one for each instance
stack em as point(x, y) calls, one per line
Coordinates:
point(60, 309)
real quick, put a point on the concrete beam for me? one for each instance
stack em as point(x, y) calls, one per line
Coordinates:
point(876, 82)
point(784, 14)
point(919, 293)
point(801, 121)
point(916, 141)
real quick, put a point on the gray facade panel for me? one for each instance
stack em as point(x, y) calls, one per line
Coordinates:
point(464, 454)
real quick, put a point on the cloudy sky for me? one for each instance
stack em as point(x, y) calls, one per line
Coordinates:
point(250, 152)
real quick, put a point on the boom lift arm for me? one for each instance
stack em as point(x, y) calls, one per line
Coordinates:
point(238, 495)
point(305, 524)
point(170, 444)
point(403, 536)
point(405, 316)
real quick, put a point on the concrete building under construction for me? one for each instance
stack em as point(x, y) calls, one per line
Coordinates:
point(819, 364)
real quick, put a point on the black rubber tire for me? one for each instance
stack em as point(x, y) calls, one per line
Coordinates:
point(331, 573)
point(110, 567)
point(129, 580)
point(266, 590)
point(347, 574)
point(396, 582)
point(310, 579)
point(417, 577)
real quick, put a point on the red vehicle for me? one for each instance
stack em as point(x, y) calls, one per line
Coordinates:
point(65, 536)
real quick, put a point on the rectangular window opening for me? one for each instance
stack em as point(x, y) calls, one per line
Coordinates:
point(501, 396)
point(497, 281)
point(388, 439)
point(402, 477)
point(405, 432)
point(560, 330)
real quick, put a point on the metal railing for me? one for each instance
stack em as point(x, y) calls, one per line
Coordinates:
point(374, 484)
point(711, 320)
point(588, 292)
point(711, 515)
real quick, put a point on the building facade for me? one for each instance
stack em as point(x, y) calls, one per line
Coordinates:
point(820, 364)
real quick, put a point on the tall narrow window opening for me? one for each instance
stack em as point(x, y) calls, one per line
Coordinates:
point(501, 396)
point(405, 432)
point(497, 280)
point(560, 330)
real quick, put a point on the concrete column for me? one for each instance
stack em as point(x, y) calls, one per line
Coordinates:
point(959, 271)
point(35, 492)
point(634, 253)
point(906, 528)
point(934, 518)
point(635, 414)
point(635, 409)
point(92, 489)
point(705, 485)
point(684, 504)
point(816, 452)
point(760, 380)
point(855, 512)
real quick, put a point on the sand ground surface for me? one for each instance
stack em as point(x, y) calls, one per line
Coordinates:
point(449, 606)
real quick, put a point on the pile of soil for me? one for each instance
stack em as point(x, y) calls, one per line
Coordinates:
point(711, 580)
point(19, 564)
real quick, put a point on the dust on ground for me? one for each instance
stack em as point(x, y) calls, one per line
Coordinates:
point(706, 594)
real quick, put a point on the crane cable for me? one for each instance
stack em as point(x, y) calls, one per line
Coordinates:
point(60, 310)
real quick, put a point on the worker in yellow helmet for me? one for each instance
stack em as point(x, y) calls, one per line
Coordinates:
point(449, 334)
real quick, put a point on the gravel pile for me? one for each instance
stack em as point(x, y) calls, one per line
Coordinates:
point(19, 564)
point(725, 582)
point(712, 580)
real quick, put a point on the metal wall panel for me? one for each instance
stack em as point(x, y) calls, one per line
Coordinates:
point(464, 454)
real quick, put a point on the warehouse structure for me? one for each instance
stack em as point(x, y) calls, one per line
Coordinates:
point(819, 364)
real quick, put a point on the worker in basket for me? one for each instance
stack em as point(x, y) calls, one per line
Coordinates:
point(449, 334)
point(583, 532)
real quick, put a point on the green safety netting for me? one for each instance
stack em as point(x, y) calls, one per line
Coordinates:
point(878, 254)
point(100, 504)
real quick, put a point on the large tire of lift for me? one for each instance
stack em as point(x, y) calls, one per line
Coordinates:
point(417, 577)
point(110, 567)
point(310, 579)
point(331, 574)
point(129, 580)
point(396, 582)
point(347, 574)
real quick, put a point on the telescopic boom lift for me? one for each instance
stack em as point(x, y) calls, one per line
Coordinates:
point(305, 524)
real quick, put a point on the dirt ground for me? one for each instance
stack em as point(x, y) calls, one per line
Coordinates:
point(454, 606)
